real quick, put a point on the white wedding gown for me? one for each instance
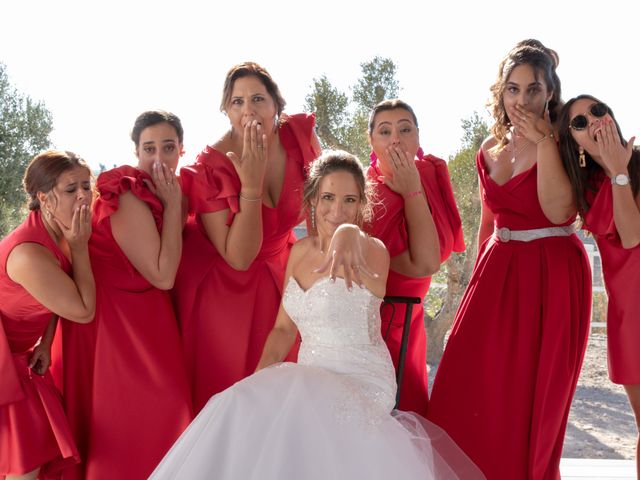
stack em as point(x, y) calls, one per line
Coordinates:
point(327, 417)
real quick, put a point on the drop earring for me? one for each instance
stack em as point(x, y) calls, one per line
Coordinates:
point(581, 158)
point(313, 218)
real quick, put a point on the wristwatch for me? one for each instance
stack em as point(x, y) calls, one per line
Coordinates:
point(620, 179)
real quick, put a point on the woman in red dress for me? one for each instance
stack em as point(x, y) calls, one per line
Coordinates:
point(604, 174)
point(245, 197)
point(507, 377)
point(125, 385)
point(416, 217)
point(45, 273)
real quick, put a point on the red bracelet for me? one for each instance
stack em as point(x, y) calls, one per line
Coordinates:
point(412, 194)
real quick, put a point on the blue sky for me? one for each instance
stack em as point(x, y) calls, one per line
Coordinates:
point(98, 65)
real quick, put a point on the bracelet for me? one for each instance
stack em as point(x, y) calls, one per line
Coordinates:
point(257, 199)
point(412, 194)
point(550, 135)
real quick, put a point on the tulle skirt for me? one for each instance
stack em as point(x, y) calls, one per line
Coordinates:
point(293, 421)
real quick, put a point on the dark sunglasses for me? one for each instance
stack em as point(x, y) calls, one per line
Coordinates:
point(580, 122)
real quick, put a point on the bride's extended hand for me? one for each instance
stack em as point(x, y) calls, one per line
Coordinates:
point(345, 250)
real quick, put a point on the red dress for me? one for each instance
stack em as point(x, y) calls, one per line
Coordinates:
point(621, 271)
point(389, 225)
point(505, 382)
point(34, 431)
point(125, 385)
point(226, 314)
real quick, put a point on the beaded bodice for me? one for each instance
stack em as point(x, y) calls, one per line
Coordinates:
point(340, 332)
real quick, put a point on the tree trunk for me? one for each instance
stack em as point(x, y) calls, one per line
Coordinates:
point(459, 268)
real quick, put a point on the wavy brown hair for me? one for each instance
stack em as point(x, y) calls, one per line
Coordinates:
point(248, 69)
point(44, 170)
point(544, 61)
point(583, 179)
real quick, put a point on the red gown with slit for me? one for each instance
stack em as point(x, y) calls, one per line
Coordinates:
point(389, 225)
point(621, 271)
point(225, 314)
point(509, 371)
point(124, 381)
point(34, 431)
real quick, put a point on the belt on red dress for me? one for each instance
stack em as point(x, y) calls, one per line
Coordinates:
point(506, 235)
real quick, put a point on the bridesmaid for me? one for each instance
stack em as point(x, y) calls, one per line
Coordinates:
point(45, 273)
point(604, 176)
point(125, 385)
point(416, 217)
point(245, 197)
point(509, 371)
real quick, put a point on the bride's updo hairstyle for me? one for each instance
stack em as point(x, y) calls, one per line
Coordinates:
point(334, 161)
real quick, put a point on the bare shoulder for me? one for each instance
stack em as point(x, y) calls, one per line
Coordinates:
point(488, 143)
point(27, 258)
point(300, 250)
point(377, 255)
point(130, 204)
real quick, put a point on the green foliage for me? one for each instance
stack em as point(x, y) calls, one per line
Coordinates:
point(464, 175)
point(25, 126)
point(442, 303)
point(341, 120)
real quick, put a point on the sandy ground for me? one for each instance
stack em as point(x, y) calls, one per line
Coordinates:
point(601, 423)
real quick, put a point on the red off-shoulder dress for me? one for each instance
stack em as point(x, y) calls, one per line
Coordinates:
point(125, 385)
point(34, 430)
point(226, 314)
point(510, 367)
point(389, 225)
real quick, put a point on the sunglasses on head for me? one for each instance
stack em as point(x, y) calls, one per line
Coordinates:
point(580, 122)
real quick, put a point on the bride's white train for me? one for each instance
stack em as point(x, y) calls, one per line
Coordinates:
point(327, 417)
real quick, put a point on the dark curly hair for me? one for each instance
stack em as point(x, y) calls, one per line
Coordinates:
point(583, 179)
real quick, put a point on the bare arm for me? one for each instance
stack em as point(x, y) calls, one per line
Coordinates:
point(41, 357)
point(284, 332)
point(487, 218)
point(240, 243)
point(35, 268)
point(554, 188)
point(155, 255)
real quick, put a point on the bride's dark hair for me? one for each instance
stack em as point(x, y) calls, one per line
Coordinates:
point(333, 161)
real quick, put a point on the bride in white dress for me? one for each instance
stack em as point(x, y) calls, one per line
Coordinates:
point(330, 415)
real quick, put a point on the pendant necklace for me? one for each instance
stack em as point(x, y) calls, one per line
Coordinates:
point(518, 151)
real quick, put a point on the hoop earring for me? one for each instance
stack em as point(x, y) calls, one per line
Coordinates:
point(581, 158)
point(48, 213)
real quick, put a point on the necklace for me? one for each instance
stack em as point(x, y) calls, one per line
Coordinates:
point(517, 151)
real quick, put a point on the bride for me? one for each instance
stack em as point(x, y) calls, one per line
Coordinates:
point(330, 415)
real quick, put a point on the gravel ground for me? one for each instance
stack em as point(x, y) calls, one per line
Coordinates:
point(601, 423)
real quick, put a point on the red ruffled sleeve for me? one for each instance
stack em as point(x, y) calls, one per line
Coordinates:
point(11, 390)
point(211, 184)
point(113, 183)
point(599, 219)
point(437, 186)
point(390, 224)
point(301, 126)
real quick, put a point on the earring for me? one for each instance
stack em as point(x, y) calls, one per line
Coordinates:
point(581, 158)
point(313, 218)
